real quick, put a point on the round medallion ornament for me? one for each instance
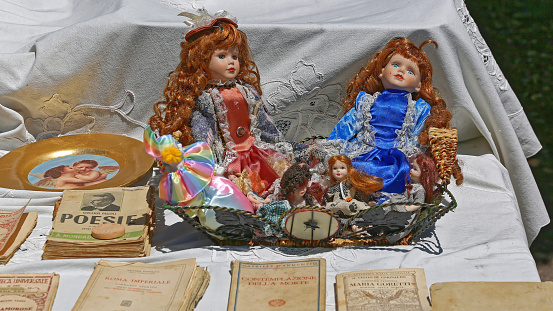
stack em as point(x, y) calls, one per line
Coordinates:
point(240, 131)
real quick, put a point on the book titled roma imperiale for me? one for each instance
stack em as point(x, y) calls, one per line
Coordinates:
point(169, 286)
point(278, 285)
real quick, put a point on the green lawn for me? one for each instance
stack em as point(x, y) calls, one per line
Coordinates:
point(520, 36)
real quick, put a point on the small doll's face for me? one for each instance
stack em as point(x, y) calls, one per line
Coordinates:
point(415, 172)
point(401, 74)
point(339, 170)
point(299, 192)
point(224, 64)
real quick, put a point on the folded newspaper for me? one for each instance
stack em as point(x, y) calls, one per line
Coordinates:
point(82, 211)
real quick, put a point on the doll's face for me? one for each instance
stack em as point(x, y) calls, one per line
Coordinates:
point(401, 74)
point(339, 170)
point(299, 192)
point(415, 172)
point(224, 64)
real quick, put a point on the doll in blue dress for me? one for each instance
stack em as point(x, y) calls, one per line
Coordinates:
point(390, 105)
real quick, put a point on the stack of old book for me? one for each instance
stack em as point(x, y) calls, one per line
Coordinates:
point(15, 227)
point(28, 291)
point(110, 222)
point(175, 285)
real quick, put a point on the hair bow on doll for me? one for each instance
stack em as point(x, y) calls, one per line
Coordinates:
point(187, 171)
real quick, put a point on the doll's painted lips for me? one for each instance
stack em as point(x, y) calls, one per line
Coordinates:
point(399, 76)
point(231, 70)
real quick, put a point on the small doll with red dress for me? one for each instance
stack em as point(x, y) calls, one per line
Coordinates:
point(214, 96)
point(351, 190)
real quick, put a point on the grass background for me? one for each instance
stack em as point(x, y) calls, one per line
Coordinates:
point(520, 36)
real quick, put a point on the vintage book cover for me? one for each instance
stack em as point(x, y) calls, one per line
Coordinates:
point(8, 223)
point(24, 227)
point(278, 285)
point(28, 291)
point(82, 210)
point(393, 289)
point(505, 296)
point(170, 286)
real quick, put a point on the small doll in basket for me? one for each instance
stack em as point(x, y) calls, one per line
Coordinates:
point(293, 193)
point(424, 177)
point(351, 190)
point(390, 106)
point(214, 96)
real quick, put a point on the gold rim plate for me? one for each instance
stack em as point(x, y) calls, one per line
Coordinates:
point(128, 152)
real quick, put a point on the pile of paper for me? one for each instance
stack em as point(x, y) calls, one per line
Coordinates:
point(15, 227)
point(175, 285)
point(28, 291)
point(81, 211)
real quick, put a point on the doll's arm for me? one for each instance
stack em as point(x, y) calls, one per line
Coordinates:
point(203, 123)
point(269, 131)
point(350, 124)
point(422, 109)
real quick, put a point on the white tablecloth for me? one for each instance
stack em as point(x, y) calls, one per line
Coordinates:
point(87, 66)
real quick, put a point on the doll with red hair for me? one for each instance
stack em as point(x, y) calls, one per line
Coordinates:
point(423, 179)
point(390, 105)
point(214, 96)
point(351, 190)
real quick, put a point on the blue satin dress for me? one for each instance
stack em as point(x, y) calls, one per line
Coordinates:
point(380, 131)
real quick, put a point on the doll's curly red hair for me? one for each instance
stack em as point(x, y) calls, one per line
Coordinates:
point(187, 82)
point(359, 180)
point(367, 80)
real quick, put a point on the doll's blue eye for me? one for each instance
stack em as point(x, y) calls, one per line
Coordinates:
point(395, 65)
point(235, 57)
point(410, 72)
point(221, 56)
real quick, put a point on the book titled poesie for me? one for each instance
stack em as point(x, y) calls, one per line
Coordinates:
point(81, 211)
point(278, 285)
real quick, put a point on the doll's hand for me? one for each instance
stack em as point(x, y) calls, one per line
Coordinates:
point(412, 208)
point(371, 203)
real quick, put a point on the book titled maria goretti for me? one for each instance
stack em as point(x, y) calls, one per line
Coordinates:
point(278, 285)
point(392, 289)
point(81, 211)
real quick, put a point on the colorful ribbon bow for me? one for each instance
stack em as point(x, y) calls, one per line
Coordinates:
point(186, 175)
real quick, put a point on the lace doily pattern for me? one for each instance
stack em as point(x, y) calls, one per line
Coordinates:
point(301, 105)
point(491, 65)
point(59, 117)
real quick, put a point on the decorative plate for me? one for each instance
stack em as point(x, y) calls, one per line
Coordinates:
point(87, 161)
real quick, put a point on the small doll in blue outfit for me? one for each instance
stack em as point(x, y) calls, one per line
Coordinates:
point(390, 105)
